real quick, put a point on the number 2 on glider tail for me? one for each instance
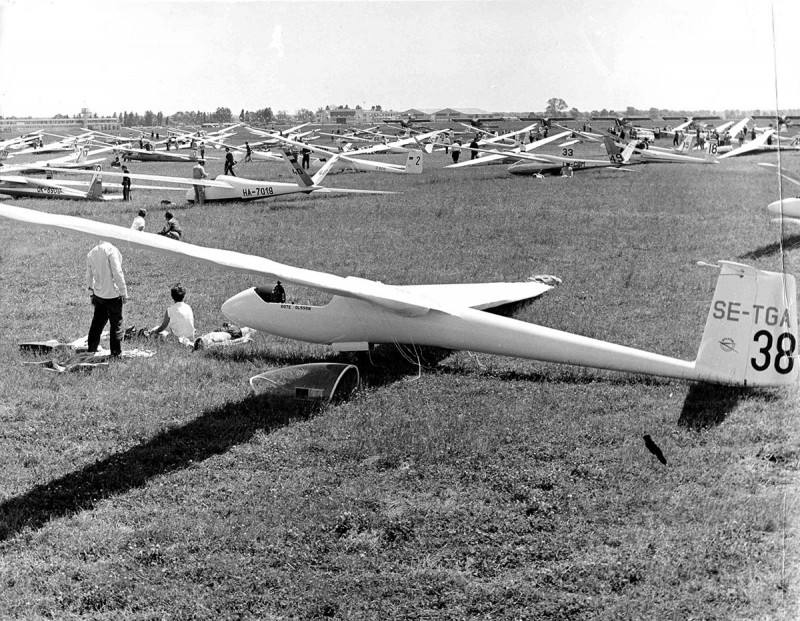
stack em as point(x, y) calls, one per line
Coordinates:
point(784, 361)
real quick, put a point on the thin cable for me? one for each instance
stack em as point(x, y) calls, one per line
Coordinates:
point(777, 139)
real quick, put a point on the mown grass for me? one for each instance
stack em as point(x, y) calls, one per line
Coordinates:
point(453, 485)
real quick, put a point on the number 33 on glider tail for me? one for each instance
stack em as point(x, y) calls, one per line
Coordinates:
point(750, 337)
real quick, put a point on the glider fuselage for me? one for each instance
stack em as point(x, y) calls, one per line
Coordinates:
point(248, 189)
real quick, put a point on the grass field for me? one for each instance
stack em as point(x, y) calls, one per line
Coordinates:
point(463, 487)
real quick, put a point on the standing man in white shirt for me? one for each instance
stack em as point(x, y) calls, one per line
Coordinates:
point(106, 283)
point(198, 172)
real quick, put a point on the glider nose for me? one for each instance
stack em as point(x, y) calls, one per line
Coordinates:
point(789, 207)
point(243, 308)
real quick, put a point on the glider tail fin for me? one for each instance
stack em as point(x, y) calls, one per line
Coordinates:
point(302, 178)
point(627, 152)
point(612, 148)
point(750, 336)
point(414, 162)
point(616, 154)
point(96, 187)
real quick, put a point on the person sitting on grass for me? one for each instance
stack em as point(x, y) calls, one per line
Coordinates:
point(172, 228)
point(179, 318)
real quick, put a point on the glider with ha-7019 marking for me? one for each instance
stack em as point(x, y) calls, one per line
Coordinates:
point(223, 188)
point(27, 187)
point(240, 189)
point(750, 336)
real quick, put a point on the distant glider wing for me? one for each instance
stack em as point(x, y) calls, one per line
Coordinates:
point(113, 173)
point(781, 173)
point(753, 145)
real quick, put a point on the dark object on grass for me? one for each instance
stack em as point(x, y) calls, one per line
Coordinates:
point(166, 201)
point(653, 448)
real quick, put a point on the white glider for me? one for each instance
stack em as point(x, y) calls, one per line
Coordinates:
point(750, 338)
point(506, 157)
point(787, 210)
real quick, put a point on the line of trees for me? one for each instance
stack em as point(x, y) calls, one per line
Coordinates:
point(558, 107)
point(196, 117)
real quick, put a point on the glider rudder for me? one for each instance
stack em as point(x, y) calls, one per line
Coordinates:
point(750, 338)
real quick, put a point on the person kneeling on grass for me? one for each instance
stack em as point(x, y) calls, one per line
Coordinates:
point(179, 318)
point(172, 228)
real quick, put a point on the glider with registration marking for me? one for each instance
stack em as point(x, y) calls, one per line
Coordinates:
point(648, 155)
point(540, 163)
point(229, 188)
point(19, 186)
point(240, 189)
point(750, 337)
point(27, 187)
point(507, 156)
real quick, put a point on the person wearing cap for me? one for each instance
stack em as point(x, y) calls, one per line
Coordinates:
point(198, 172)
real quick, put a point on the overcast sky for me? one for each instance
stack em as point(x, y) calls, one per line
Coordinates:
point(112, 55)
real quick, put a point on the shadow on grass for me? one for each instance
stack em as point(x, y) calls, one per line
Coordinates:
point(708, 405)
point(789, 243)
point(214, 432)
